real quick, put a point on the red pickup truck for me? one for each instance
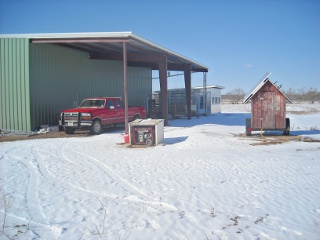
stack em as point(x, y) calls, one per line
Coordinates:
point(95, 113)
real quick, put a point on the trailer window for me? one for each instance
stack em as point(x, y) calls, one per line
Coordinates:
point(215, 100)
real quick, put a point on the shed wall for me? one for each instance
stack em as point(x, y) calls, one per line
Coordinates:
point(268, 108)
point(14, 84)
point(61, 78)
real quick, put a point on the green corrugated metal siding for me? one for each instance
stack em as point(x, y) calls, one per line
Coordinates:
point(14, 84)
point(139, 86)
point(61, 77)
point(39, 80)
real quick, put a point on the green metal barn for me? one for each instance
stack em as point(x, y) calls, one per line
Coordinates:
point(42, 74)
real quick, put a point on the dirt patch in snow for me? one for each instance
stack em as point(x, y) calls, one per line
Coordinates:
point(17, 137)
point(8, 137)
point(269, 139)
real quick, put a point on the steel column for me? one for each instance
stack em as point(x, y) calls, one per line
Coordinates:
point(164, 89)
point(125, 92)
point(187, 82)
point(205, 93)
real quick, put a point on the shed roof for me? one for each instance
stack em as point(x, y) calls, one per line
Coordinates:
point(108, 45)
point(259, 85)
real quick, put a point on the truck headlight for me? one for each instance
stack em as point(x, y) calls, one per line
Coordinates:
point(85, 116)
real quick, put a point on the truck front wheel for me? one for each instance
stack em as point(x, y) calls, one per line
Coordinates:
point(96, 127)
point(69, 130)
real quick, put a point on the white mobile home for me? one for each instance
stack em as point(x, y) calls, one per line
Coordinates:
point(177, 102)
point(213, 99)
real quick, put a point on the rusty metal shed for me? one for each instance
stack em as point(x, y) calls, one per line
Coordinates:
point(268, 108)
point(130, 49)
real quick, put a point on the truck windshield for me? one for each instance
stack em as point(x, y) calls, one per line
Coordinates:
point(92, 103)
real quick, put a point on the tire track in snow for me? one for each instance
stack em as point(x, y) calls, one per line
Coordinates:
point(17, 220)
point(33, 204)
point(116, 177)
point(137, 196)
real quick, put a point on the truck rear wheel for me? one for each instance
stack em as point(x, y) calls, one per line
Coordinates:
point(96, 127)
point(135, 117)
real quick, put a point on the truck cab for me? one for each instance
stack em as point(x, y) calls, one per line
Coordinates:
point(95, 113)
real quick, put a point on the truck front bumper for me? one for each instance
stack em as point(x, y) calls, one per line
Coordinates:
point(68, 123)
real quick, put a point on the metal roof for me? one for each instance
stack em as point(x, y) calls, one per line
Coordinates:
point(209, 86)
point(256, 88)
point(193, 88)
point(109, 45)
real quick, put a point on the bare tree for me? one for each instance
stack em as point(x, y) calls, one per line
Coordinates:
point(292, 94)
point(312, 95)
point(301, 94)
point(235, 96)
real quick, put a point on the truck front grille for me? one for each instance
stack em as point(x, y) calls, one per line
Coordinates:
point(71, 116)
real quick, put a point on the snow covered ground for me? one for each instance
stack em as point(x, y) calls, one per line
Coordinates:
point(207, 182)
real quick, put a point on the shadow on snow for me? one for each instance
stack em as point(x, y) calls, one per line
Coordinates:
point(227, 119)
point(304, 132)
point(175, 140)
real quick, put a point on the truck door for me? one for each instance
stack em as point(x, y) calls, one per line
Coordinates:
point(111, 114)
point(120, 114)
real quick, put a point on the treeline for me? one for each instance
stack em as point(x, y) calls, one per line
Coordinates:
point(311, 95)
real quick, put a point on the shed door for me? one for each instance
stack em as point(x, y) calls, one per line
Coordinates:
point(268, 120)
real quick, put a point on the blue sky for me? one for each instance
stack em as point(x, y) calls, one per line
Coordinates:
point(238, 40)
